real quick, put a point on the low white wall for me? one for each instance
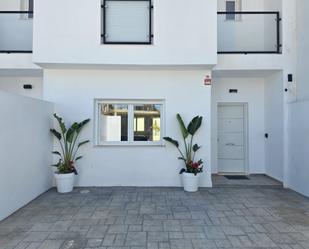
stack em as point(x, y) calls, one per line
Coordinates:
point(15, 85)
point(298, 170)
point(74, 91)
point(251, 91)
point(25, 150)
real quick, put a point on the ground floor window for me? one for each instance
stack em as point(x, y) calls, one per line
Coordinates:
point(129, 122)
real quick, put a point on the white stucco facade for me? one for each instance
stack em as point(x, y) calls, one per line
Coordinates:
point(71, 68)
point(74, 92)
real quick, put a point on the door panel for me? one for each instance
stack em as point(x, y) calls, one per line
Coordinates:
point(231, 150)
point(236, 138)
point(230, 112)
point(231, 125)
point(231, 166)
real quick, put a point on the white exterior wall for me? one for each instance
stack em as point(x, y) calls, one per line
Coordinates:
point(25, 151)
point(298, 170)
point(74, 91)
point(298, 129)
point(251, 91)
point(184, 34)
point(274, 126)
point(15, 85)
point(302, 50)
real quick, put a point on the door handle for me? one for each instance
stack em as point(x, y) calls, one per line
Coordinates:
point(230, 144)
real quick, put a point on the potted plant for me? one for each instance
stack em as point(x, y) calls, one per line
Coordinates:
point(69, 146)
point(193, 168)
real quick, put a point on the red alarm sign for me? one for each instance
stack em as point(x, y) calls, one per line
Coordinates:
point(207, 80)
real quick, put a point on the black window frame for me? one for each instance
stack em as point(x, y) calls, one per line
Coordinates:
point(103, 21)
point(30, 8)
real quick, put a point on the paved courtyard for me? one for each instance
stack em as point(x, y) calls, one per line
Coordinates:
point(161, 218)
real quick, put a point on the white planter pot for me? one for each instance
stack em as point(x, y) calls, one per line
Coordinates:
point(64, 182)
point(190, 182)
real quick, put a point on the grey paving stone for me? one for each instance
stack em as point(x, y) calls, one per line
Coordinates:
point(97, 231)
point(136, 239)
point(94, 242)
point(172, 225)
point(118, 229)
point(135, 228)
point(214, 232)
point(36, 236)
point(157, 237)
point(175, 235)
point(161, 218)
point(203, 244)
point(51, 244)
point(181, 244)
point(232, 230)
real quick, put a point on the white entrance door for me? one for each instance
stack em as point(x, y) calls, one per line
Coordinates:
point(231, 138)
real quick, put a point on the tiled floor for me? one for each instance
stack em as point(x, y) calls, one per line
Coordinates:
point(161, 218)
point(254, 180)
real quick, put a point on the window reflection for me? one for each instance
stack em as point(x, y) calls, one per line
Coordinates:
point(147, 125)
point(114, 122)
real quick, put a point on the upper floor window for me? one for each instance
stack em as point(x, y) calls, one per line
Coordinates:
point(232, 6)
point(129, 122)
point(127, 22)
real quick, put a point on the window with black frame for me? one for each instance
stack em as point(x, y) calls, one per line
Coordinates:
point(127, 22)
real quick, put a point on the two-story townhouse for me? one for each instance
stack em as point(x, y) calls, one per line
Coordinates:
point(132, 65)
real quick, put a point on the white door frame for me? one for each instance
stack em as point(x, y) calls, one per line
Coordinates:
point(246, 133)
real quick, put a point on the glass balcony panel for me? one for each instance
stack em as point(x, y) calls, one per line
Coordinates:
point(247, 32)
point(16, 31)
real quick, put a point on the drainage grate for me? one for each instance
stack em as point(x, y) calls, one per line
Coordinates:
point(237, 177)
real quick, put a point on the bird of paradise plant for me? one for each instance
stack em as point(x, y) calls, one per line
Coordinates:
point(188, 153)
point(69, 145)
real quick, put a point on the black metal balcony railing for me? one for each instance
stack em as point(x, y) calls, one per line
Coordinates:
point(16, 31)
point(249, 32)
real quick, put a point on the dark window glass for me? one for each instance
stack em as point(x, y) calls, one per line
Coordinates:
point(230, 7)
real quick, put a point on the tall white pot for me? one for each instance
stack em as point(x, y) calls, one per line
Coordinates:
point(64, 182)
point(190, 181)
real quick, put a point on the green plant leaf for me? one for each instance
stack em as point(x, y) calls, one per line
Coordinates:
point(172, 141)
point(78, 158)
point(82, 143)
point(181, 158)
point(56, 153)
point(70, 135)
point(196, 147)
point(82, 124)
point(194, 125)
point(182, 126)
point(61, 123)
point(56, 133)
